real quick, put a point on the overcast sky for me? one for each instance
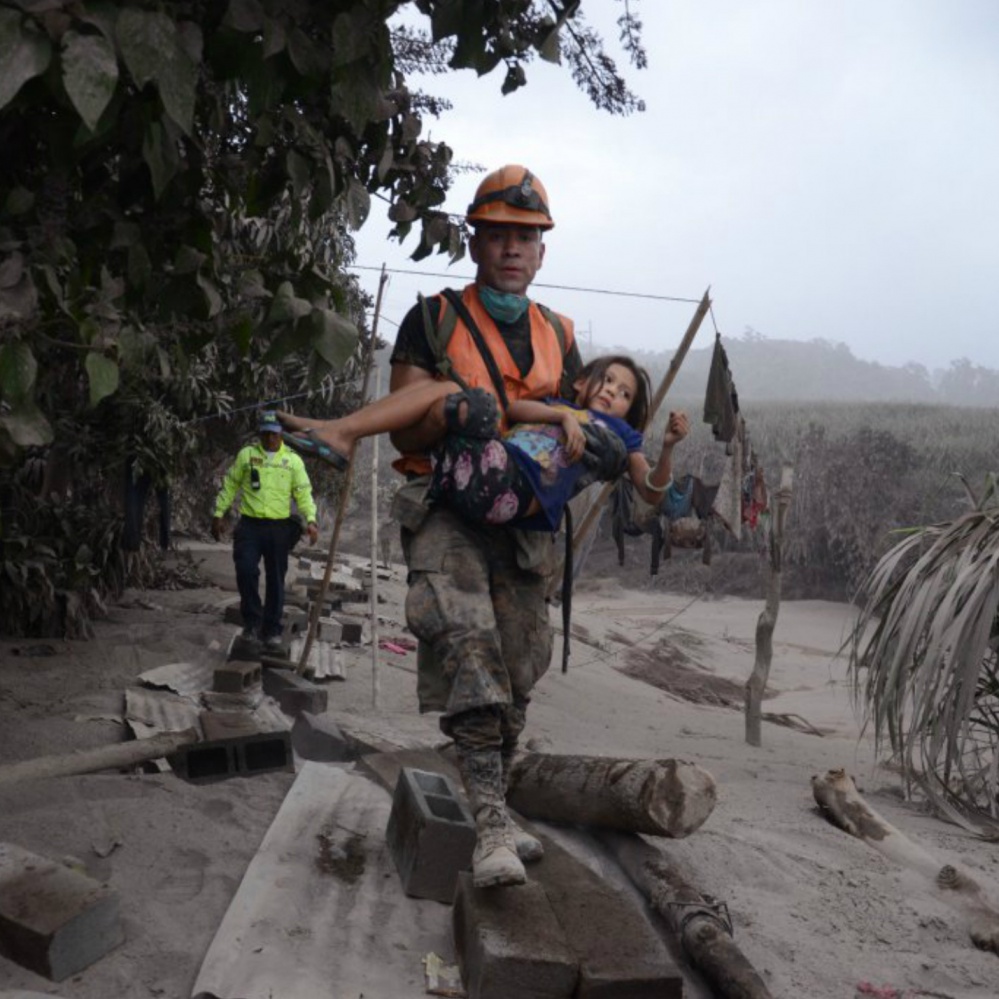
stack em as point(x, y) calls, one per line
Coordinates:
point(829, 167)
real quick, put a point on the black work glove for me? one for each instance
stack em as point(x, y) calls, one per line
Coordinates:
point(472, 414)
point(605, 457)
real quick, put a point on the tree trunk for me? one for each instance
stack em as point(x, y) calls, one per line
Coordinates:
point(87, 761)
point(659, 797)
point(700, 924)
point(757, 683)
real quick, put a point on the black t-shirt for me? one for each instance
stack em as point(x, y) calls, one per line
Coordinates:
point(412, 346)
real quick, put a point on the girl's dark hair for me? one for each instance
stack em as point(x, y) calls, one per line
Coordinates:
point(593, 374)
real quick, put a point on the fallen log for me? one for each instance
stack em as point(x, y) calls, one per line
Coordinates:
point(88, 761)
point(843, 805)
point(659, 797)
point(700, 924)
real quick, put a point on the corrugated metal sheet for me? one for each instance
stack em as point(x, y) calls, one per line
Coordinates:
point(182, 678)
point(325, 662)
point(148, 712)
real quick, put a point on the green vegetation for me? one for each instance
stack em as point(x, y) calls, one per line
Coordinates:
point(178, 186)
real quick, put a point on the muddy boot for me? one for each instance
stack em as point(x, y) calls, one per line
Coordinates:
point(494, 860)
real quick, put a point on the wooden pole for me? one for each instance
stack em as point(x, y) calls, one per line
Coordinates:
point(660, 797)
point(592, 514)
point(701, 925)
point(375, 680)
point(88, 761)
point(348, 478)
point(757, 683)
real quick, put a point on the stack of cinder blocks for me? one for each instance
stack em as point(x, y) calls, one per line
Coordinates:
point(565, 934)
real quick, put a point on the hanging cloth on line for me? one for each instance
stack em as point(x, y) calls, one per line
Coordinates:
point(721, 401)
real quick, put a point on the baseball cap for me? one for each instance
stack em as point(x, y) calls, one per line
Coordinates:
point(268, 422)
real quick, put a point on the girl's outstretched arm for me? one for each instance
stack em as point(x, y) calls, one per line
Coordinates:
point(652, 482)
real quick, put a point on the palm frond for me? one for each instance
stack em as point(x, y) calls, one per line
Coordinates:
point(923, 659)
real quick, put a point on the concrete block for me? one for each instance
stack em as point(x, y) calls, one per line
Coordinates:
point(244, 649)
point(430, 834)
point(235, 676)
point(620, 954)
point(53, 920)
point(232, 615)
point(330, 629)
point(334, 591)
point(294, 693)
point(282, 652)
point(318, 737)
point(352, 632)
point(509, 943)
point(295, 621)
point(234, 746)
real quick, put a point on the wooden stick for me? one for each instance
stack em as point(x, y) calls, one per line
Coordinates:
point(700, 924)
point(88, 761)
point(348, 477)
point(588, 522)
point(375, 679)
point(757, 682)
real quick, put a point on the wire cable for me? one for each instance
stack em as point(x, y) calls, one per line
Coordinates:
point(535, 284)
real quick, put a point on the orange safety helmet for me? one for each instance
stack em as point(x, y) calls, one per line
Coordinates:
point(511, 195)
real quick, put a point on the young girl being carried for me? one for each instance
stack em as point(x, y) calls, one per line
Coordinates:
point(528, 474)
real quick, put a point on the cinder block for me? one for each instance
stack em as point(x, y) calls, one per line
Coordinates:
point(330, 629)
point(352, 632)
point(509, 943)
point(620, 954)
point(53, 920)
point(294, 693)
point(234, 746)
point(355, 597)
point(234, 677)
point(430, 834)
point(244, 649)
point(318, 737)
point(295, 621)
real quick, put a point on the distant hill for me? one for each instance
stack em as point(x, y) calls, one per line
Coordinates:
point(814, 370)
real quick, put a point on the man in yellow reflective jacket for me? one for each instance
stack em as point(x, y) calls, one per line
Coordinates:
point(267, 475)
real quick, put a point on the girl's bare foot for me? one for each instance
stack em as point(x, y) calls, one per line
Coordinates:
point(320, 438)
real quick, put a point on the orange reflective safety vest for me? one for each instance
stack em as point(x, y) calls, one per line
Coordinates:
point(457, 353)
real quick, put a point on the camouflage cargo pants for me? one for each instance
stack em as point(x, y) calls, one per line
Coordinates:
point(482, 621)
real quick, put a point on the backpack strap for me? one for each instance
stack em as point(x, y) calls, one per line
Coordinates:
point(480, 342)
point(439, 335)
point(556, 323)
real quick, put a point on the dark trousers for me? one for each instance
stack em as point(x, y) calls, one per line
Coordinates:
point(255, 539)
point(136, 492)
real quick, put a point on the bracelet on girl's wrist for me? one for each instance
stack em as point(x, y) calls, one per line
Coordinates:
point(656, 489)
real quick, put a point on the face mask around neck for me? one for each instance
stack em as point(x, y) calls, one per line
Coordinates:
point(503, 306)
